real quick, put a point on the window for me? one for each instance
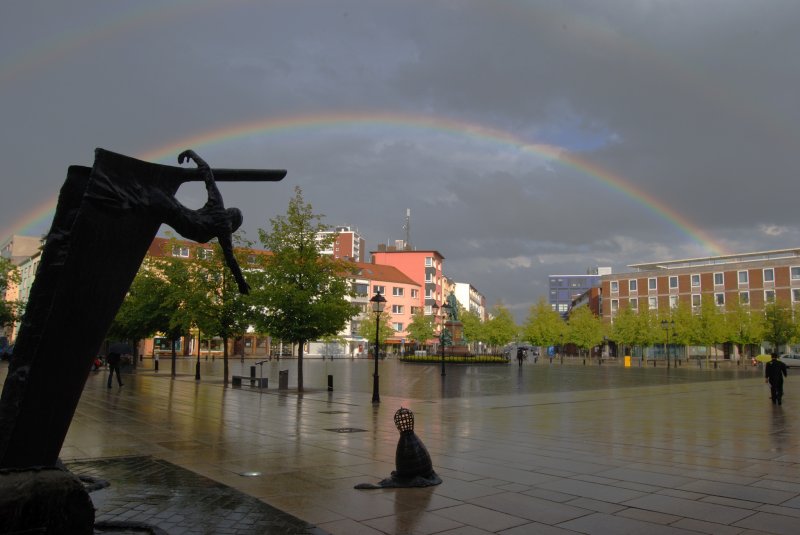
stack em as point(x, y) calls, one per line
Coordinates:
point(428, 294)
point(652, 303)
point(205, 253)
point(743, 279)
point(769, 275)
point(651, 284)
point(397, 309)
point(563, 307)
point(614, 306)
point(673, 301)
point(252, 259)
point(632, 285)
point(178, 250)
point(744, 298)
point(414, 294)
point(379, 289)
point(719, 279)
point(795, 273)
point(695, 281)
point(429, 277)
point(634, 303)
point(361, 289)
point(795, 295)
point(695, 300)
point(719, 299)
point(614, 287)
point(428, 261)
point(769, 296)
point(397, 291)
point(397, 327)
point(673, 282)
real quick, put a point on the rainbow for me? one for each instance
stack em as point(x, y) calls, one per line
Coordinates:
point(283, 125)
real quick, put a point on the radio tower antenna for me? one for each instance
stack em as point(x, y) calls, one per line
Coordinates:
point(407, 228)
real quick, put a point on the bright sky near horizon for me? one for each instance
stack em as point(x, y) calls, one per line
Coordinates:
point(526, 137)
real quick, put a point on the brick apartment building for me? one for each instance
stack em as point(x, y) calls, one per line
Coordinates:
point(749, 278)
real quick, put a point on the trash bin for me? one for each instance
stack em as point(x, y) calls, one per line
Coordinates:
point(252, 372)
point(283, 379)
point(330, 383)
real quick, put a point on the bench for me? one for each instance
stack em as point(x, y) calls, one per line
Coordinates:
point(239, 380)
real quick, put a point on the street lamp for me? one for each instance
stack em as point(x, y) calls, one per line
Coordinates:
point(667, 325)
point(378, 302)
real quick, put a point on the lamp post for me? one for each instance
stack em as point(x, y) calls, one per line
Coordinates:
point(667, 325)
point(444, 309)
point(378, 302)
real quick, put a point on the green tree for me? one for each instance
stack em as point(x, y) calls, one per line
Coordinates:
point(685, 325)
point(473, 328)
point(304, 293)
point(141, 314)
point(179, 306)
point(501, 328)
point(543, 326)
point(624, 329)
point(420, 330)
point(744, 328)
point(584, 329)
point(10, 311)
point(711, 328)
point(779, 326)
point(220, 310)
point(367, 330)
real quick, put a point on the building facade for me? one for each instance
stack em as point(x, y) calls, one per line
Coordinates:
point(563, 289)
point(348, 244)
point(471, 299)
point(753, 279)
point(425, 268)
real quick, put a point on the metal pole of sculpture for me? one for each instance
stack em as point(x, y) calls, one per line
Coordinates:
point(106, 218)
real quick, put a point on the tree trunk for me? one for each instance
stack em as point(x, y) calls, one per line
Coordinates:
point(300, 366)
point(225, 358)
point(173, 356)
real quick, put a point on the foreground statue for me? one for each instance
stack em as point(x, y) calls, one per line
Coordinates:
point(413, 465)
point(106, 218)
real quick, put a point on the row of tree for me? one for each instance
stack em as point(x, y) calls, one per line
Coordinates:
point(297, 294)
point(710, 326)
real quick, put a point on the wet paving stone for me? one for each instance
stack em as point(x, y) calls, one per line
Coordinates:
point(153, 492)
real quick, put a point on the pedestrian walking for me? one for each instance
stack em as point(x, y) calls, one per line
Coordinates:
point(113, 361)
point(774, 372)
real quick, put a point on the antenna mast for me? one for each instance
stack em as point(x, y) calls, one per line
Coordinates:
point(407, 228)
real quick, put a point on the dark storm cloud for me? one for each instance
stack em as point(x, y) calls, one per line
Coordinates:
point(691, 103)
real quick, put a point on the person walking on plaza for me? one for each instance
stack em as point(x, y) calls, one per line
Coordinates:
point(113, 361)
point(774, 372)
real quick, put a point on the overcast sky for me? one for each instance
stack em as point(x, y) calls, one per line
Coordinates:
point(527, 138)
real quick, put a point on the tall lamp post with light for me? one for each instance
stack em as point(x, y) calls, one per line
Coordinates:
point(667, 325)
point(445, 310)
point(378, 302)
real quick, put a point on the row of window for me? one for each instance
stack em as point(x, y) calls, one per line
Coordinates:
point(743, 277)
point(397, 291)
point(719, 300)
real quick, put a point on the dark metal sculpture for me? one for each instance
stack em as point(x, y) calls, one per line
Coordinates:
point(105, 220)
point(413, 464)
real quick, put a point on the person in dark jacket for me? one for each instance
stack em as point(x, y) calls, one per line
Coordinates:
point(113, 361)
point(774, 372)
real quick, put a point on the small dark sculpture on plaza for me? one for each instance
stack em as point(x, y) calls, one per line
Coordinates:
point(412, 460)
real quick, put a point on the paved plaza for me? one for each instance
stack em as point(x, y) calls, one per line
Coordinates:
point(538, 449)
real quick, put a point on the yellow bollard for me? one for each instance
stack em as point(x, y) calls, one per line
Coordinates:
point(627, 361)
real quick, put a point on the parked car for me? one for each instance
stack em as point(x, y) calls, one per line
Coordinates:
point(792, 360)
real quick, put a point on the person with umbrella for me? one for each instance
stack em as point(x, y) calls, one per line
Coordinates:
point(115, 353)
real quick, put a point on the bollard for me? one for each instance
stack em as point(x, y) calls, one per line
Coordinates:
point(252, 372)
point(715, 364)
point(584, 362)
point(283, 379)
point(330, 383)
point(654, 363)
point(155, 363)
